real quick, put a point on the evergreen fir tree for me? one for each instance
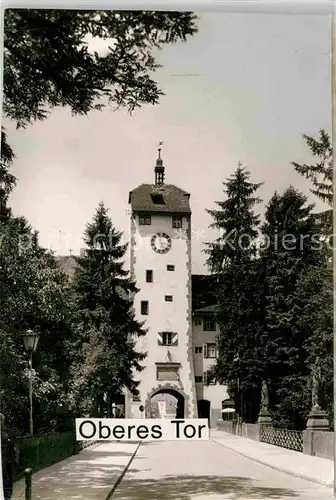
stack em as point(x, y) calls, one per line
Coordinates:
point(236, 221)
point(320, 174)
point(233, 258)
point(292, 244)
point(105, 294)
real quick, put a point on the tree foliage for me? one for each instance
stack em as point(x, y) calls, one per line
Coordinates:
point(316, 322)
point(320, 173)
point(292, 246)
point(232, 257)
point(34, 295)
point(236, 221)
point(47, 61)
point(274, 298)
point(7, 180)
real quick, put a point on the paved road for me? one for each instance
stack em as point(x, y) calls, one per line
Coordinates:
point(205, 470)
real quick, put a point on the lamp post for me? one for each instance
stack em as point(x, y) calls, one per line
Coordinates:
point(236, 360)
point(30, 340)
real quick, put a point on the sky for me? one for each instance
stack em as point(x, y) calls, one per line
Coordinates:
point(263, 80)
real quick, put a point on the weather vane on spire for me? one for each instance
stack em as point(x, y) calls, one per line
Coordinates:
point(159, 149)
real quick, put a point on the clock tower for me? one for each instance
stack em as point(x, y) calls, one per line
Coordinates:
point(160, 253)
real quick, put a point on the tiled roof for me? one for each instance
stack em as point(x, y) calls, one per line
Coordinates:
point(207, 309)
point(175, 199)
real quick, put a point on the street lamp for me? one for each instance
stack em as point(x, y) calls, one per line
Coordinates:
point(236, 361)
point(30, 340)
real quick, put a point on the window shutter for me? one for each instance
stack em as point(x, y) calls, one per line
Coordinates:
point(205, 350)
point(205, 378)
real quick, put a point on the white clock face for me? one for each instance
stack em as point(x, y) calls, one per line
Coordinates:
point(161, 243)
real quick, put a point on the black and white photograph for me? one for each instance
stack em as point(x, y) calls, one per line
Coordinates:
point(166, 232)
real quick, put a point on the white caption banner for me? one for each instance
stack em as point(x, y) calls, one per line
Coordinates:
point(151, 429)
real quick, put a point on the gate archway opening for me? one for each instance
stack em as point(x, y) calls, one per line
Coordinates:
point(166, 403)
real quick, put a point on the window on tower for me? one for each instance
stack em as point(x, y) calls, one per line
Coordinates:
point(157, 199)
point(177, 222)
point(144, 307)
point(167, 338)
point(170, 267)
point(145, 220)
point(149, 276)
point(168, 298)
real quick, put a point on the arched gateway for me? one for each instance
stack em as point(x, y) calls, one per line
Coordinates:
point(182, 401)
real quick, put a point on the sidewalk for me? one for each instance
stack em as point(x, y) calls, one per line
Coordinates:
point(315, 469)
point(90, 475)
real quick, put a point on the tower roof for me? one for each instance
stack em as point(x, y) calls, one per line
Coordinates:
point(159, 197)
point(164, 198)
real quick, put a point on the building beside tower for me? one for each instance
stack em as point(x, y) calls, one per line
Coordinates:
point(178, 309)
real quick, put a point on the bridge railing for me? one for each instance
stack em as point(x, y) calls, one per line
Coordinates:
point(318, 443)
point(292, 440)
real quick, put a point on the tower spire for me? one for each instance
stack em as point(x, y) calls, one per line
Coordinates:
point(159, 168)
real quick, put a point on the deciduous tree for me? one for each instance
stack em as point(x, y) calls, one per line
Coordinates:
point(48, 63)
point(34, 295)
